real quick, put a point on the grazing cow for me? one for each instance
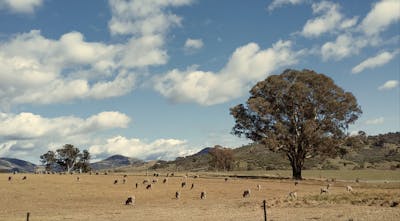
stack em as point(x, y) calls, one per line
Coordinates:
point(97, 173)
point(196, 176)
point(296, 182)
point(357, 180)
point(148, 187)
point(9, 178)
point(226, 179)
point(203, 195)
point(183, 184)
point(246, 193)
point(130, 200)
point(177, 195)
point(77, 179)
point(115, 181)
point(137, 185)
point(165, 180)
point(125, 175)
point(24, 178)
point(172, 174)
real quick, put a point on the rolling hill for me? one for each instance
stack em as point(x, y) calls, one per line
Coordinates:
point(116, 161)
point(379, 152)
point(12, 164)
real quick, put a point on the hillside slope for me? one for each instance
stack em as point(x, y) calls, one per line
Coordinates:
point(116, 161)
point(12, 164)
point(380, 152)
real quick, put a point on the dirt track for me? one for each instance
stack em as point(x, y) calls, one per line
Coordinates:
point(62, 197)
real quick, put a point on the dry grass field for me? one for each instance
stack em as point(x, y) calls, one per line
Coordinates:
point(95, 197)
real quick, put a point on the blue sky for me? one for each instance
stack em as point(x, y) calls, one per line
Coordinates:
point(155, 79)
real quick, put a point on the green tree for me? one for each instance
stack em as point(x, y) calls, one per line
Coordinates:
point(301, 113)
point(68, 158)
point(83, 164)
point(48, 160)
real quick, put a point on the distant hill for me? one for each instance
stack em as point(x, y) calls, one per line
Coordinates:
point(203, 151)
point(116, 161)
point(379, 152)
point(12, 164)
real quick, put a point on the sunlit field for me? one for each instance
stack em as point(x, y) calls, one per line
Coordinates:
point(96, 197)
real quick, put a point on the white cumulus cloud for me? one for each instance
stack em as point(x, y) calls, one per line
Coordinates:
point(143, 17)
point(35, 69)
point(382, 14)
point(389, 85)
point(146, 23)
point(373, 62)
point(21, 6)
point(330, 19)
point(247, 65)
point(344, 46)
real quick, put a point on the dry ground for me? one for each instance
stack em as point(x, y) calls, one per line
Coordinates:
point(95, 197)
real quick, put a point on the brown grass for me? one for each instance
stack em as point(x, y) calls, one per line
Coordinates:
point(62, 197)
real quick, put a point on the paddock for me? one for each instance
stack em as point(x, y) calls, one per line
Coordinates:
point(49, 197)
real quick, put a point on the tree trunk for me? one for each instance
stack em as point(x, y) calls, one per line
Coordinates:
point(297, 165)
point(296, 173)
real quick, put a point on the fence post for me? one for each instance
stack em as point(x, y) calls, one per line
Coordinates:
point(27, 216)
point(265, 210)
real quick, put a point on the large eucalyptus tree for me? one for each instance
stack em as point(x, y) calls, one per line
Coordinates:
point(301, 113)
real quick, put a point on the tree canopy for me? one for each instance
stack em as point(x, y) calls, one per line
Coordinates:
point(301, 113)
point(68, 158)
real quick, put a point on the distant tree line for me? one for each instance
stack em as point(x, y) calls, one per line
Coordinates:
point(68, 158)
